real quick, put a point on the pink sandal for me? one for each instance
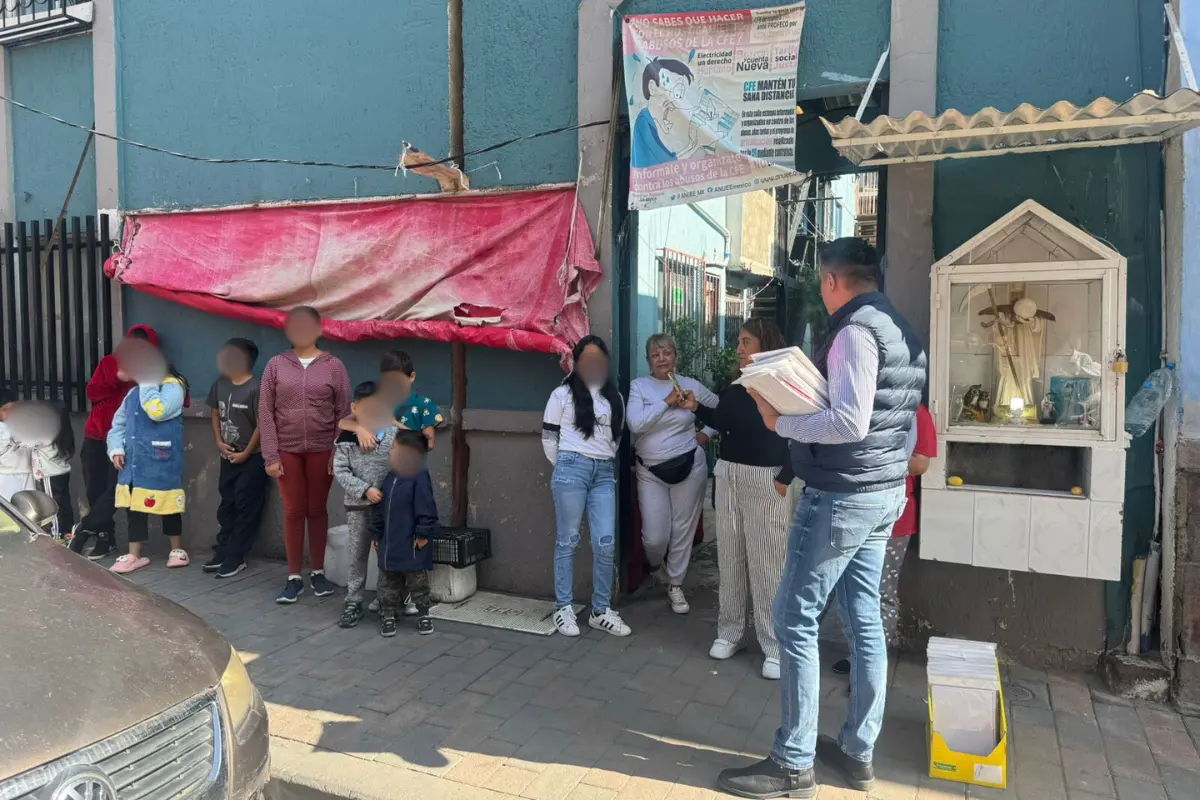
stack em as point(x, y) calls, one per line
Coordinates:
point(126, 564)
point(178, 558)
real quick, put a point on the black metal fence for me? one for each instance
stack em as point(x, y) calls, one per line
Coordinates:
point(21, 12)
point(55, 308)
point(29, 20)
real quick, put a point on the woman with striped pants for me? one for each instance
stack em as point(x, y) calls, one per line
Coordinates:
point(753, 514)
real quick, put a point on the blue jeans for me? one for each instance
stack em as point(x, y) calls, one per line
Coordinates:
point(584, 484)
point(837, 544)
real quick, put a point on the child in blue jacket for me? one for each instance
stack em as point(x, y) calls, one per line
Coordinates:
point(409, 517)
point(145, 444)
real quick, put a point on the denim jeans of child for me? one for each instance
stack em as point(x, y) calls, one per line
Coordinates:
point(581, 484)
point(837, 545)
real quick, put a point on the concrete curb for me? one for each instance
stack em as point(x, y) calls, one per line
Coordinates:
point(303, 772)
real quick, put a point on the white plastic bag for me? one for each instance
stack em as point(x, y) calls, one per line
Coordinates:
point(337, 559)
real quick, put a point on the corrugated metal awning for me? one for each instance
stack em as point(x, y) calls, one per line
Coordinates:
point(1102, 123)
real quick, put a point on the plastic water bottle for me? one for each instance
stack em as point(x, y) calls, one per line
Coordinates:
point(1146, 405)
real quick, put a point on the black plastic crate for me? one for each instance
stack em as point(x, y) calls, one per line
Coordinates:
point(461, 547)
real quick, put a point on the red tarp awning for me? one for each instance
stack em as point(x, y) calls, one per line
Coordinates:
point(414, 268)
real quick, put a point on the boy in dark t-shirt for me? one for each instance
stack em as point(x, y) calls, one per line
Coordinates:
point(243, 482)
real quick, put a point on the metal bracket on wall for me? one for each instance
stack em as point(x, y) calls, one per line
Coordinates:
point(1185, 63)
point(866, 98)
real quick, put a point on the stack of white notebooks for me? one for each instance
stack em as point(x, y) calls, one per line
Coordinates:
point(964, 688)
point(787, 380)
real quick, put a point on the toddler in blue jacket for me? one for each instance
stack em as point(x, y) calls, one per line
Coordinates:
point(408, 519)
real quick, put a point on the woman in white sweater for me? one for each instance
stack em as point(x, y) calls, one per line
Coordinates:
point(671, 466)
point(581, 431)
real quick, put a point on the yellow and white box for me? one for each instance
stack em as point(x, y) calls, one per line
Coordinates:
point(968, 732)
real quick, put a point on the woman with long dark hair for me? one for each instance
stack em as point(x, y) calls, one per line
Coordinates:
point(303, 393)
point(581, 431)
point(752, 509)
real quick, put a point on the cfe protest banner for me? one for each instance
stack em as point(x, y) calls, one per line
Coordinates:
point(712, 103)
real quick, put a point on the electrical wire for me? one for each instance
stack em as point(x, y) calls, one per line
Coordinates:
point(329, 164)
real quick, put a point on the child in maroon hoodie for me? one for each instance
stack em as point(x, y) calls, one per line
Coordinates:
point(106, 390)
point(302, 395)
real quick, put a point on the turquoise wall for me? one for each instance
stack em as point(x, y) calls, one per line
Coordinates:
point(56, 77)
point(342, 82)
point(303, 79)
point(1113, 50)
point(520, 64)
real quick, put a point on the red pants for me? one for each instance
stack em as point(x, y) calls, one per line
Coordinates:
point(304, 487)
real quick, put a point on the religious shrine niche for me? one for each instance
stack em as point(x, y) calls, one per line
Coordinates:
point(1027, 389)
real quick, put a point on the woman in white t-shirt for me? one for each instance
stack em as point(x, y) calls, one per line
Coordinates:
point(581, 431)
point(672, 468)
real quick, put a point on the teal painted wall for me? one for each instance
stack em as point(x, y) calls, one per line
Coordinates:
point(346, 82)
point(303, 79)
point(520, 64)
point(1075, 50)
point(53, 76)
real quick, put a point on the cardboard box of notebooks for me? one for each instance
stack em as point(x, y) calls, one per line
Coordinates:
point(968, 731)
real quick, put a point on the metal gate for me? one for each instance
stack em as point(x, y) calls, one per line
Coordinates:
point(55, 308)
point(691, 308)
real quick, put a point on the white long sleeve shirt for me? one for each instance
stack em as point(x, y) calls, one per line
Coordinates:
point(660, 432)
point(14, 459)
point(853, 367)
point(559, 434)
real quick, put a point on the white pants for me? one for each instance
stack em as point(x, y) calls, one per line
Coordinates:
point(752, 534)
point(11, 484)
point(669, 516)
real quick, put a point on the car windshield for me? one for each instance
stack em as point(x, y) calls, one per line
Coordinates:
point(8, 523)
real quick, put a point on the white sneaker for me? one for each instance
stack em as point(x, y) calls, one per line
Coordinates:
point(609, 622)
point(679, 603)
point(564, 621)
point(771, 669)
point(373, 606)
point(722, 649)
point(410, 608)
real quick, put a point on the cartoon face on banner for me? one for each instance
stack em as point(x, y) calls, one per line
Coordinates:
point(681, 117)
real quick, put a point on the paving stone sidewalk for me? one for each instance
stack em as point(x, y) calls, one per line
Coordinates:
point(472, 712)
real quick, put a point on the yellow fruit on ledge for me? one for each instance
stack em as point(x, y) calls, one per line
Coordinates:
point(1077, 491)
point(954, 480)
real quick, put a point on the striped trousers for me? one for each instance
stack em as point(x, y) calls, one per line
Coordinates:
point(752, 535)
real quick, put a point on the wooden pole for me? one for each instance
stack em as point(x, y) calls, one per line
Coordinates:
point(460, 451)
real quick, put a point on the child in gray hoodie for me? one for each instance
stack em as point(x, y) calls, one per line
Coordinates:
point(361, 473)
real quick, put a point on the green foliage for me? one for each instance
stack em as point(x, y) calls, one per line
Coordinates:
point(689, 350)
point(815, 315)
point(721, 367)
point(708, 363)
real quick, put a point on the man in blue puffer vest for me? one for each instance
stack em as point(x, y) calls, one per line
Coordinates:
point(853, 459)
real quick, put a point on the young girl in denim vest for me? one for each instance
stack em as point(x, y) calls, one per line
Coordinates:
point(146, 446)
